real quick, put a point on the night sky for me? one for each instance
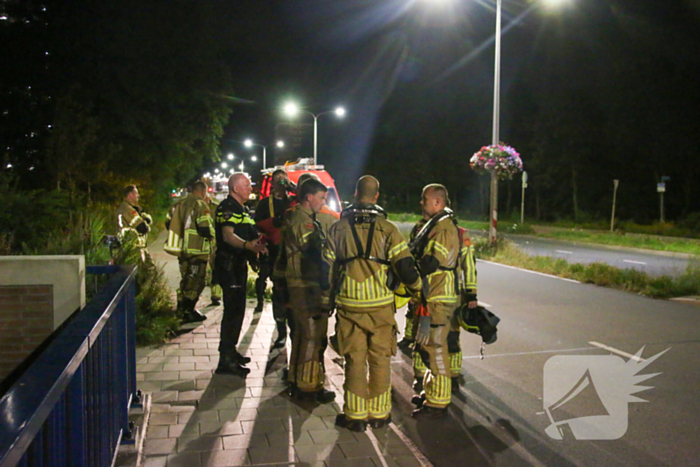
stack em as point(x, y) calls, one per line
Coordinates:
point(432, 61)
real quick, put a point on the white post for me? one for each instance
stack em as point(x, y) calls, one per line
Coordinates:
point(315, 138)
point(496, 119)
point(264, 156)
point(522, 198)
point(612, 219)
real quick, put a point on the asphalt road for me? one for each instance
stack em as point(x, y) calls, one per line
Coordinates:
point(499, 418)
point(654, 263)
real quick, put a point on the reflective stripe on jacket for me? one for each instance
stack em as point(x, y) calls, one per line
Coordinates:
point(190, 225)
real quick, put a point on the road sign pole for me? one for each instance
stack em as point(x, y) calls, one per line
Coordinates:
point(612, 218)
point(522, 198)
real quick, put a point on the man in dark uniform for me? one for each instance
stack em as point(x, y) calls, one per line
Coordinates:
point(237, 243)
point(268, 218)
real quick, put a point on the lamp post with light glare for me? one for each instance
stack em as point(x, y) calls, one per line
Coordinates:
point(495, 136)
point(249, 143)
point(291, 110)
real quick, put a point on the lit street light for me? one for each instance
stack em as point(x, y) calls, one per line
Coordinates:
point(230, 156)
point(495, 137)
point(292, 110)
point(224, 165)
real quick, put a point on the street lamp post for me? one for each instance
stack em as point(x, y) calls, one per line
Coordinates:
point(292, 110)
point(493, 215)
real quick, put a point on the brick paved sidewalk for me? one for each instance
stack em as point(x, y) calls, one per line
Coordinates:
point(198, 418)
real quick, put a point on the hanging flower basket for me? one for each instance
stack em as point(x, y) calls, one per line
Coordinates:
point(501, 159)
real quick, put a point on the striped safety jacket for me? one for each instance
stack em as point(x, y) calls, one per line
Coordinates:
point(190, 228)
point(438, 255)
point(363, 251)
point(132, 223)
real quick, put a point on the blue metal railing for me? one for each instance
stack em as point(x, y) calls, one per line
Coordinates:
point(70, 407)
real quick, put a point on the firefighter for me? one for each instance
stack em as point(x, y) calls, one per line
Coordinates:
point(133, 224)
point(436, 249)
point(190, 232)
point(303, 238)
point(365, 259)
point(237, 243)
point(214, 287)
point(408, 339)
point(268, 218)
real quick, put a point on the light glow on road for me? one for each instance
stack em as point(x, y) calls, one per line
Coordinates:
point(634, 262)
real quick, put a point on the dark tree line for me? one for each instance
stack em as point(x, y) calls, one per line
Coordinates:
point(604, 92)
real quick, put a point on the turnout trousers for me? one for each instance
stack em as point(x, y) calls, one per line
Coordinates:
point(367, 341)
point(233, 285)
point(433, 359)
point(309, 339)
point(193, 273)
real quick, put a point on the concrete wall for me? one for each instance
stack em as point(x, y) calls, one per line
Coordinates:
point(65, 273)
point(37, 294)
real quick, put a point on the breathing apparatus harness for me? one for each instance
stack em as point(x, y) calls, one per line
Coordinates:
point(418, 244)
point(363, 214)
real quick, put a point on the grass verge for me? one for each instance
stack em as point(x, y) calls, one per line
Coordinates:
point(601, 274)
point(647, 242)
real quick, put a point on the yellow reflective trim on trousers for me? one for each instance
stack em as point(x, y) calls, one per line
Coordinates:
point(456, 363)
point(309, 376)
point(355, 407)
point(380, 406)
point(419, 367)
point(438, 390)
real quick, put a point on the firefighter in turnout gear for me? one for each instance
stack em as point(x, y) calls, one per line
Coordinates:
point(408, 336)
point(237, 243)
point(133, 224)
point(190, 233)
point(212, 281)
point(269, 217)
point(303, 239)
point(436, 248)
point(365, 259)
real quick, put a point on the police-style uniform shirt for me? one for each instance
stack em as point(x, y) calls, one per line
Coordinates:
point(363, 288)
point(230, 213)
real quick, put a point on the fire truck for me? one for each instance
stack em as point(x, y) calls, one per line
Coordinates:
point(294, 170)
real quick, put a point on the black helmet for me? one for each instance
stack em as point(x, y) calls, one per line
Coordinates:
point(480, 321)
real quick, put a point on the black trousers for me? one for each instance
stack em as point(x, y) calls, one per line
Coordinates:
point(233, 284)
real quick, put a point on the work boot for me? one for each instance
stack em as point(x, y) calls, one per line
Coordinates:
point(259, 306)
point(323, 396)
point(281, 335)
point(227, 366)
point(190, 314)
point(406, 343)
point(418, 385)
point(418, 400)
point(378, 423)
point(429, 413)
point(357, 426)
point(238, 358)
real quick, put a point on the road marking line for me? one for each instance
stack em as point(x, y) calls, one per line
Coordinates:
point(484, 304)
point(531, 272)
point(617, 351)
point(633, 262)
point(565, 252)
point(527, 353)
